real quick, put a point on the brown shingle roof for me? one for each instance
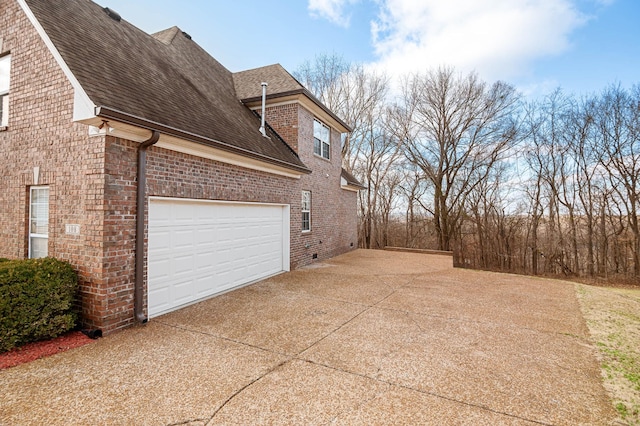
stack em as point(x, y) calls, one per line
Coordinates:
point(248, 83)
point(166, 79)
point(351, 180)
point(281, 83)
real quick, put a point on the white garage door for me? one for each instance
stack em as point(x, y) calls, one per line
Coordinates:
point(199, 248)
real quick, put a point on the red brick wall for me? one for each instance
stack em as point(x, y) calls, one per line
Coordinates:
point(41, 134)
point(173, 174)
point(333, 210)
point(284, 120)
point(119, 232)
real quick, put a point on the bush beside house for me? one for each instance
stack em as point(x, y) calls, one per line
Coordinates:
point(36, 300)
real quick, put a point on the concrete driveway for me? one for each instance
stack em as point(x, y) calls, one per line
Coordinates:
point(370, 337)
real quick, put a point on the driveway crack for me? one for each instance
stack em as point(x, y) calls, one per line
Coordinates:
point(367, 308)
point(217, 336)
point(236, 393)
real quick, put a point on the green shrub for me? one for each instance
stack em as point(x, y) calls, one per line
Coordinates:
point(36, 300)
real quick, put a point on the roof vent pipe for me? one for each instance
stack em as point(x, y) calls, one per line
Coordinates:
point(264, 103)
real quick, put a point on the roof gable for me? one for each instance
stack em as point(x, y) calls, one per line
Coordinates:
point(247, 83)
point(281, 84)
point(166, 79)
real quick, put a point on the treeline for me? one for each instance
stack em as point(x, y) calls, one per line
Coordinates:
point(454, 163)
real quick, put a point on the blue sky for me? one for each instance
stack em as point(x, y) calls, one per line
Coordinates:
point(537, 45)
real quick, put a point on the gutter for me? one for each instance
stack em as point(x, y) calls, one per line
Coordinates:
point(113, 114)
point(140, 220)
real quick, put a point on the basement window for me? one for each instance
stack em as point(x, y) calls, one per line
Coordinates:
point(321, 144)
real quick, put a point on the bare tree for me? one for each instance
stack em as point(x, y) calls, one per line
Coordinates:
point(617, 119)
point(322, 77)
point(460, 128)
point(436, 165)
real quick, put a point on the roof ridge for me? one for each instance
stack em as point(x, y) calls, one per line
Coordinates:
point(167, 35)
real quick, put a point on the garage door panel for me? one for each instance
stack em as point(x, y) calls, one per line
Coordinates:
point(163, 239)
point(161, 296)
point(183, 264)
point(183, 238)
point(183, 292)
point(205, 262)
point(198, 248)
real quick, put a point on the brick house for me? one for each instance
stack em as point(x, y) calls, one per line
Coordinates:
point(92, 106)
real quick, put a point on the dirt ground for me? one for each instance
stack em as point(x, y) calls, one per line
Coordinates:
point(613, 318)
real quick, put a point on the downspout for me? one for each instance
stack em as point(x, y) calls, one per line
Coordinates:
point(140, 219)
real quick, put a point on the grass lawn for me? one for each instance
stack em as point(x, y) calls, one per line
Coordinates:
point(613, 318)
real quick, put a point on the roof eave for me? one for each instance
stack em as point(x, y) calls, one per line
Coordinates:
point(309, 95)
point(113, 114)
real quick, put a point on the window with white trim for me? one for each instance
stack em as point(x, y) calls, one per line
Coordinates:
point(321, 135)
point(306, 211)
point(5, 68)
point(38, 221)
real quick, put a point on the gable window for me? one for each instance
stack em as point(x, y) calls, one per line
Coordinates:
point(5, 67)
point(38, 221)
point(306, 211)
point(321, 143)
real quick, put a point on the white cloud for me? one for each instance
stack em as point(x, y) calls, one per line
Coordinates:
point(332, 10)
point(537, 89)
point(496, 38)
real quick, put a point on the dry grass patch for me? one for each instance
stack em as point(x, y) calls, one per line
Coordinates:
point(613, 318)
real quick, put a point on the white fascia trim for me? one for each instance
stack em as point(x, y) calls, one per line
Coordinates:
point(212, 201)
point(345, 185)
point(136, 134)
point(322, 115)
point(351, 188)
point(275, 104)
point(307, 104)
point(83, 108)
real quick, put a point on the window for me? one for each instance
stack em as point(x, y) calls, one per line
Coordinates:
point(5, 67)
point(38, 221)
point(306, 211)
point(321, 139)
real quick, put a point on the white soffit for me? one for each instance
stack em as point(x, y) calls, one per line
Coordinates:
point(136, 134)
